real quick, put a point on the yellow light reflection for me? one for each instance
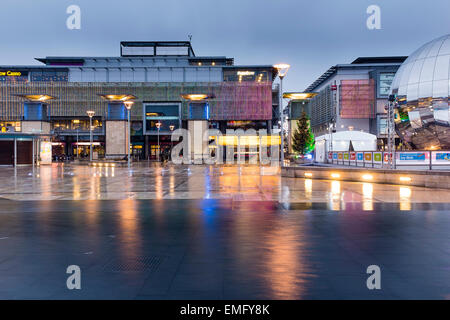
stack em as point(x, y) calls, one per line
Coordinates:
point(286, 267)
point(335, 195)
point(159, 184)
point(129, 230)
point(308, 188)
point(405, 198)
point(367, 196)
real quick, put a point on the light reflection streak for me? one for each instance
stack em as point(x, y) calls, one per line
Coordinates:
point(286, 268)
point(159, 190)
point(335, 195)
point(308, 188)
point(367, 189)
point(131, 245)
point(405, 198)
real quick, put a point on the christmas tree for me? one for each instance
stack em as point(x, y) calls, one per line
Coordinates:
point(303, 139)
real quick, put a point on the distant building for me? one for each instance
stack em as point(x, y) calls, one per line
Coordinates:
point(171, 86)
point(352, 97)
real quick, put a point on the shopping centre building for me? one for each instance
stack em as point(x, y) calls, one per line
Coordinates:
point(349, 97)
point(172, 88)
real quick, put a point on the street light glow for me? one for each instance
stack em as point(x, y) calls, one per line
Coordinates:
point(282, 69)
point(128, 104)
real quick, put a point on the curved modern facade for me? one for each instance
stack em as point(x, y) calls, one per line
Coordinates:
point(422, 88)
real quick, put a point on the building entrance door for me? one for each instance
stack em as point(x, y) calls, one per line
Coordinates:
point(6, 152)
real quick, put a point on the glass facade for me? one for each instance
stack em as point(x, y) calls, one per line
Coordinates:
point(250, 74)
point(164, 113)
point(72, 125)
point(49, 76)
point(422, 89)
point(385, 82)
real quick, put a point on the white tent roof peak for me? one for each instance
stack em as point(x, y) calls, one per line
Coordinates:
point(349, 135)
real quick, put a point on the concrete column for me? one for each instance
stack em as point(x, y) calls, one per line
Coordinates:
point(116, 139)
point(197, 128)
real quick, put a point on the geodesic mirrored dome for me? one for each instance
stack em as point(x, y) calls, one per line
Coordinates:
point(422, 87)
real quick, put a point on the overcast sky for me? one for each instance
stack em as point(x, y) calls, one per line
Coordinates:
point(310, 35)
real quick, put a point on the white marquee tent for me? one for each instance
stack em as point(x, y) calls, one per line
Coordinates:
point(361, 141)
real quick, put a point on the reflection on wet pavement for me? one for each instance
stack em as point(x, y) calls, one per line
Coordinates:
point(245, 183)
point(217, 233)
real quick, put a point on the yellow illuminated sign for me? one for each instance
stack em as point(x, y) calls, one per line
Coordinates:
point(249, 140)
point(10, 73)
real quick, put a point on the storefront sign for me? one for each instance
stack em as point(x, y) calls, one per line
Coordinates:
point(12, 73)
point(246, 73)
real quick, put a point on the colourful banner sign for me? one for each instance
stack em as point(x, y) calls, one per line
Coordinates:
point(441, 158)
point(352, 156)
point(360, 156)
point(377, 157)
point(410, 156)
point(368, 156)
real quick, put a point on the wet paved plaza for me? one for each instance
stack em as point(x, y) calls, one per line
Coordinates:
point(200, 232)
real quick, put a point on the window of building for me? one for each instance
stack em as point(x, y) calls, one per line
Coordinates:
point(76, 124)
point(10, 126)
point(386, 79)
point(253, 75)
point(167, 114)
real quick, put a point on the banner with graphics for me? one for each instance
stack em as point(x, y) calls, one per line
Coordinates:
point(368, 157)
point(386, 157)
point(421, 158)
point(441, 157)
point(346, 156)
point(377, 157)
point(360, 156)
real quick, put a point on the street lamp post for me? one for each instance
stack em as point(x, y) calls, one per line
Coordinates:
point(282, 70)
point(77, 141)
point(90, 113)
point(171, 127)
point(128, 104)
point(158, 125)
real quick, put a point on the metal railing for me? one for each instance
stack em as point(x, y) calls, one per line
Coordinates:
point(380, 159)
